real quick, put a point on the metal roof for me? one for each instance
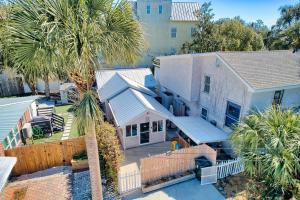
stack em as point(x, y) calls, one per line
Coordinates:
point(117, 84)
point(7, 164)
point(11, 110)
point(131, 103)
point(143, 76)
point(199, 130)
point(265, 69)
point(184, 11)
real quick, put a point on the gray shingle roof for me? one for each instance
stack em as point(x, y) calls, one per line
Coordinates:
point(265, 69)
point(184, 11)
point(11, 110)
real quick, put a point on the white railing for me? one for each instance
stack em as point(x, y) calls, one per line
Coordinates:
point(223, 169)
point(129, 181)
point(230, 167)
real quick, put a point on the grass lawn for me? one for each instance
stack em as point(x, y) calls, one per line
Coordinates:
point(62, 111)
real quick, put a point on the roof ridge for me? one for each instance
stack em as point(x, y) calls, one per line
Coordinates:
point(137, 97)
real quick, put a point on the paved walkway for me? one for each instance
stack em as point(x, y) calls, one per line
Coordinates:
point(67, 129)
point(189, 190)
point(54, 184)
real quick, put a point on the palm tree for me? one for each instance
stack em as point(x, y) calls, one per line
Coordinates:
point(94, 32)
point(82, 35)
point(269, 143)
point(30, 48)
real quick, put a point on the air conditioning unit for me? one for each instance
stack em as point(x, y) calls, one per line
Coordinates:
point(27, 130)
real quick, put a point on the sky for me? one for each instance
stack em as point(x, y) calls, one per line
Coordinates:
point(249, 10)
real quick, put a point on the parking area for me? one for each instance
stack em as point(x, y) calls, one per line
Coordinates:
point(189, 190)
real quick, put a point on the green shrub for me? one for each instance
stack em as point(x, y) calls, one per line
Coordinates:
point(110, 151)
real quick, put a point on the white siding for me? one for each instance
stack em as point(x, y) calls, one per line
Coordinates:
point(134, 141)
point(263, 100)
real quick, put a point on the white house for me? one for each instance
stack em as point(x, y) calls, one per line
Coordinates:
point(166, 26)
point(131, 106)
point(222, 87)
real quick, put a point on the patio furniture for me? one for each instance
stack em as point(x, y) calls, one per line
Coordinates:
point(44, 123)
point(37, 133)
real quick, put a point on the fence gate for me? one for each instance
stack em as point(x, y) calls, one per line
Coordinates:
point(129, 181)
point(208, 175)
point(230, 167)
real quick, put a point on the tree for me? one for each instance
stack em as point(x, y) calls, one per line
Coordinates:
point(84, 34)
point(286, 33)
point(237, 37)
point(91, 31)
point(225, 34)
point(269, 144)
point(205, 38)
point(30, 48)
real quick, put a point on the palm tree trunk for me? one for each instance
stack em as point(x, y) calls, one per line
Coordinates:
point(47, 86)
point(94, 164)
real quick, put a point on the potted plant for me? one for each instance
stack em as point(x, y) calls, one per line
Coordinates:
point(80, 161)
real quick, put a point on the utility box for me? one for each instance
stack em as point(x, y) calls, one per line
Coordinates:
point(201, 162)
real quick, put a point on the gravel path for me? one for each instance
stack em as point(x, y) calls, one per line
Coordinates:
point(82, 188)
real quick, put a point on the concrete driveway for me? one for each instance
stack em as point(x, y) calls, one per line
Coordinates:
point(189, 190)
point(131, 163)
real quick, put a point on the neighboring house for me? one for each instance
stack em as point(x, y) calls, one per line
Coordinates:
point(7, 164)
point(166, 26)
point(130, 104)
point(222, 87)
point(14, 113)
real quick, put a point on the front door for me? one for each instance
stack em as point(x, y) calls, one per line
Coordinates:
point(144, 133)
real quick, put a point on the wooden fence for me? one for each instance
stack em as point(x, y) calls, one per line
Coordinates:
point(158, 166)
point(36, 157)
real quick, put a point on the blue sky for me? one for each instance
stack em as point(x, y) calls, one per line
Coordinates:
point(249, 10)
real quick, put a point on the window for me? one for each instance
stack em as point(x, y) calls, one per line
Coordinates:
point(157, 126)
point(160, 125)
point(173, 32)
point(154, 126)
point(5, 143)
point(193, 31)
point(278, 97)
point(148, 9)
point(204, 113)
point(232, 114)
point(160, 9)
point(206, 84)
point(131, 130)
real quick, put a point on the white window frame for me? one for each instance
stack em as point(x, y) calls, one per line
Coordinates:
point(202, 116)
point(157, 126)
point(173, 32)
point(193, 30)
point(131, 135)
point(148, 9)
point(160, 9)
point(204, 84)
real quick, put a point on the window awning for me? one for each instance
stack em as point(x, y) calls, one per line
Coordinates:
point(199, 130)
point(7, 163)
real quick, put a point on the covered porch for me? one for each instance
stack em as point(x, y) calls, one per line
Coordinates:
point(192, 131)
